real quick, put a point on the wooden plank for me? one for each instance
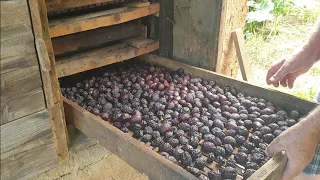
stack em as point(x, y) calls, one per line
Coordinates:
point(127, 148)
point(276, 97)
point(16, 37)
point(242, 55)
point(138, 4)
point(94, 38)
point(27, 147)
point(20, 82)
point(58, 5)
point(272, 170)
point(196, 32)
point(166, 21)
point(99, 57)
point(49, 77)
point(61, 27)
point(139, 42)
point(233, 16)
point(22, 105)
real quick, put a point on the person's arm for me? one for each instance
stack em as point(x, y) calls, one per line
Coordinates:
point(299, 142)
point(287, 70)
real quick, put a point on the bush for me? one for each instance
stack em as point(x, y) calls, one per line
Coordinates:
point(263, 11)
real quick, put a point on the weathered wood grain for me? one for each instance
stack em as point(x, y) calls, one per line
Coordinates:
point(17, 38)
point(166, 24)
point(196, 32)
point(20, 82)
point(27, 147)
point(49, 77)
point(23, 105)
point(94, 38)
point(233, 16)
point(238, 39)
point(99, 57)
point(272, 170)
point(127, 148)
point(58, 5)
point(276, 97)
point(139, 42)
point(61, 27)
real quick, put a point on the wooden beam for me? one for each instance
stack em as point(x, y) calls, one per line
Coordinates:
point(127, 148)
point(89, 39)
point(27, 147)
point(240, 45)
point(233, 15)
point(58, 5)
point(49, 77)
point(61, 27)
point(103, 56)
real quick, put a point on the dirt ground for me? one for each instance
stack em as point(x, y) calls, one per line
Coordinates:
point(89, 160)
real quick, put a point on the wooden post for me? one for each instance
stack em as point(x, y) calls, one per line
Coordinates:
point(239, 43)
point(166, 27)
point(233, 15)
point(49, 77)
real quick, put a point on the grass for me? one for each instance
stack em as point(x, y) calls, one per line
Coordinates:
point(269, 46)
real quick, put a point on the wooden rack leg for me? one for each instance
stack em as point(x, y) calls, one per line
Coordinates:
point(49, 77)
point(242, 55)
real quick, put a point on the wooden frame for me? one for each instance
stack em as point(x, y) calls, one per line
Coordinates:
point(59, 5)
point(49, 77)
point(98, 37)
point(102, 56)
point(127, 148)
point(117, 142)
point(61, 27)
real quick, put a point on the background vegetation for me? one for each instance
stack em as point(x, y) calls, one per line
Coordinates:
point(275, 28)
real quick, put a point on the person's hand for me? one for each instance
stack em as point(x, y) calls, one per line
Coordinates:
point(286, 71)
point(299, 145)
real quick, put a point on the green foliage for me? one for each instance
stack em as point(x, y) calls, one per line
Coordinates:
point(308, 94)
point(263, 11)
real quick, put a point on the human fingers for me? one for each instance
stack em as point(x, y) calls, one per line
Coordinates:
point(291, 81)
point(272, 70)
point(283, 82)
point(281, 73)
point(275, 84)
point(275, 147)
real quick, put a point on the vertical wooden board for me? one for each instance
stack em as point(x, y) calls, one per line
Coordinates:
point(21, 106)
point(27, 148)
point(233, 16)
point(196, 29)
point(181, 30)
point(52, 92)
point(17, 51)
point(166, 21)
point(239, 42)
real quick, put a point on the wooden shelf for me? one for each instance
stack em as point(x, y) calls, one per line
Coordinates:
point(58, 5)
point(103, 56)
point(70, 25)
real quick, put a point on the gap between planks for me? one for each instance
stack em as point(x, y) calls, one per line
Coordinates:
point(103, 56)
point(65, 26)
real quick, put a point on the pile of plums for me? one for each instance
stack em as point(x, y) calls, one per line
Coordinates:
point(191, 121)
